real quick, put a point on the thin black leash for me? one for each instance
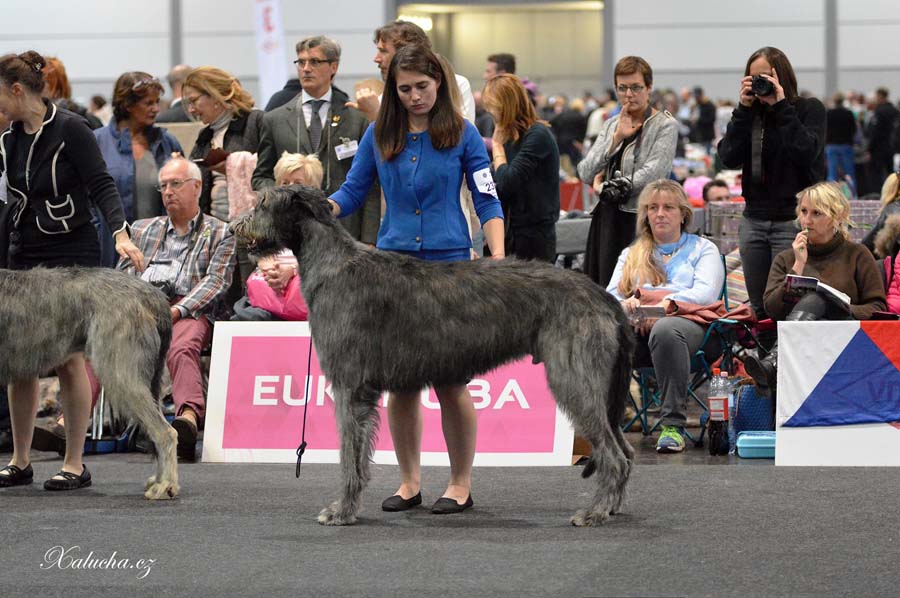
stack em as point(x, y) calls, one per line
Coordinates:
point(302, 448)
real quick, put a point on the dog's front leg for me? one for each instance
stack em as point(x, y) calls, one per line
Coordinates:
point(357, 419)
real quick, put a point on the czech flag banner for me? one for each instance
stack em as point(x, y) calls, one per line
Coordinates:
point(838, 373)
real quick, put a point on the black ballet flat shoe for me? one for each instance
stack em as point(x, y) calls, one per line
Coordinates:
point(448, 506)
point(398, 503)
point(15, 476)
point(69, 480)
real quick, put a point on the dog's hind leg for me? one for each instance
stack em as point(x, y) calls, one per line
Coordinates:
point(127, 376)
point(357, 418)
point(583, 394)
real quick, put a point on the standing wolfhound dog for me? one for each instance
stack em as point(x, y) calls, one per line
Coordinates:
point(387, 322)
point(122, 325)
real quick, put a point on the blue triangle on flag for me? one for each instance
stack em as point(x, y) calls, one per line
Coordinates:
point(861, 387)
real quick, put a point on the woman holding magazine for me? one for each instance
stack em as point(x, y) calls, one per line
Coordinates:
point(822, 250)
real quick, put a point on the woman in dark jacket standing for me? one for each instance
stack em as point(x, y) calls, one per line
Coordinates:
point(778, 139)
point(526, 170)
point(217, 98)
point(54, 173)
point(134, 149)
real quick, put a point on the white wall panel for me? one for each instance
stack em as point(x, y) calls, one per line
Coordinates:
point(674, 13)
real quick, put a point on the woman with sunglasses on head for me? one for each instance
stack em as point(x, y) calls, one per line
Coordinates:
point(777, 138)
point(634, 147)
point(55, 172)
point(134, 148)
point(232, 125)
point(421, 149)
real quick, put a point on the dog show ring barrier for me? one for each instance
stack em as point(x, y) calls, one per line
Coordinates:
point(838, 393)
point(257, 393)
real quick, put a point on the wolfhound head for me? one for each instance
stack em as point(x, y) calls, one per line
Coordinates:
point(280, 218)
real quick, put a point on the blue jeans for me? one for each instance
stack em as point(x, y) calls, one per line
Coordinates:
point(760, 242)
point(840, 163)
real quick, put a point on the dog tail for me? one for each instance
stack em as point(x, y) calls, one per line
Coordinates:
point(164, 329)
point(620, 381)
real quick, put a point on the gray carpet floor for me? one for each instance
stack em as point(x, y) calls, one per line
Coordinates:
point(693, 526)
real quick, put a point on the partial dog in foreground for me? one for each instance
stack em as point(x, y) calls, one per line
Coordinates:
point(122, 325)
point(387, 322)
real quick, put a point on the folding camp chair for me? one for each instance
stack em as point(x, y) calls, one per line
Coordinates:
point(719, 341)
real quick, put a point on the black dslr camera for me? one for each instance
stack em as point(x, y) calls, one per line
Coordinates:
point(616, 190)
point(760, 86)
point(166, 286)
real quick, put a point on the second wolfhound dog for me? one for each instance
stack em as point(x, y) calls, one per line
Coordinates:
point(123, 326)
point(388, 322)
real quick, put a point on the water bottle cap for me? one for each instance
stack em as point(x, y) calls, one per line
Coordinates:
point(716, 371)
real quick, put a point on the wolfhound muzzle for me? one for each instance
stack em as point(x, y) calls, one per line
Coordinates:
point(122, 325)
point(383, 321)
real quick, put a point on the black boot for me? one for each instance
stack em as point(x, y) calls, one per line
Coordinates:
point(763, 370)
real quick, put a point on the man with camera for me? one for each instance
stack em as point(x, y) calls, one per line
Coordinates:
point(190, 257)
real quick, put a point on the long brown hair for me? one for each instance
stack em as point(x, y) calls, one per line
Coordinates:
point(505, 97)
point(778, 61)
point(641, 267)
point(445, 124)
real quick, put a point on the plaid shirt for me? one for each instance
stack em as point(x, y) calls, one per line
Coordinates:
point(210, 262)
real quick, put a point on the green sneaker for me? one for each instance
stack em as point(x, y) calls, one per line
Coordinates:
point(671, 440)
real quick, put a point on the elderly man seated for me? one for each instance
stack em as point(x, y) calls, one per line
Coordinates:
point(190, 256)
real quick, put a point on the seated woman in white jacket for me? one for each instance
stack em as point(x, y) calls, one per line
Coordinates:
point(687, 268)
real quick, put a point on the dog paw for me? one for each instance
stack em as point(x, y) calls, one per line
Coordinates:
point(161, 490)
point(150, 481)
point(585, 518)
point(331, 515)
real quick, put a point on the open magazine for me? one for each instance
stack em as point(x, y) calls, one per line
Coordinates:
point(797, 286)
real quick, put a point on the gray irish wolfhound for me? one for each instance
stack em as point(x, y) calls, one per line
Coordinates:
point(122, 325)
point(383, 321)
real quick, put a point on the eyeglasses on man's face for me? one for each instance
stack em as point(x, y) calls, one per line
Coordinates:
point(635, 89)
point(313, 62)
point(175, 184)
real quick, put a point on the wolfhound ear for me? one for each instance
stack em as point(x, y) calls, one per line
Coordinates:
point(309, 200)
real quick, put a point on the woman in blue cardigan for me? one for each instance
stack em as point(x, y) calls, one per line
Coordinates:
point(420, 147)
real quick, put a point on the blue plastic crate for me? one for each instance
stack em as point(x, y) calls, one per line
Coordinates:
point(756, 445)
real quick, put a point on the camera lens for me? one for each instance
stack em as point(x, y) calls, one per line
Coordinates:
point(761, 86)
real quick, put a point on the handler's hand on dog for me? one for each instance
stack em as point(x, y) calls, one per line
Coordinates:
point(335, 209)
point(125, 248)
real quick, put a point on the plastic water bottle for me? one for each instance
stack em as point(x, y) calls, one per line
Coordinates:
point(718, 413)
point(732, 410)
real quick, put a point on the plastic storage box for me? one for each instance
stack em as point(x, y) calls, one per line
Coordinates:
point(756, 445)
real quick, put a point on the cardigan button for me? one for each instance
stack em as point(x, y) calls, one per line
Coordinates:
point(418, 239)
point(415, 137)
point(418, 211)
point(414, 158)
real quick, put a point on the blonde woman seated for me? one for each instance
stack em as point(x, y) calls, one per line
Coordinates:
point(273, 289)
point(822, 250)
point(664, 260)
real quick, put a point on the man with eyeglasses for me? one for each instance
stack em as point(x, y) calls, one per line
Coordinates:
point(319, 122)
point(190, 257)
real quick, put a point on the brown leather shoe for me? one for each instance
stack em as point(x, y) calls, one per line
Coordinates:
point(187, 438)
point(50, 437)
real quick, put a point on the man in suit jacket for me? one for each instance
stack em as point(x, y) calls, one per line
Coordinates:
point(190, 257)
point(317, 121)
point(177, 112)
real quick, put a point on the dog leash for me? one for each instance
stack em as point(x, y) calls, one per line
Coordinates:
point(302, 448)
